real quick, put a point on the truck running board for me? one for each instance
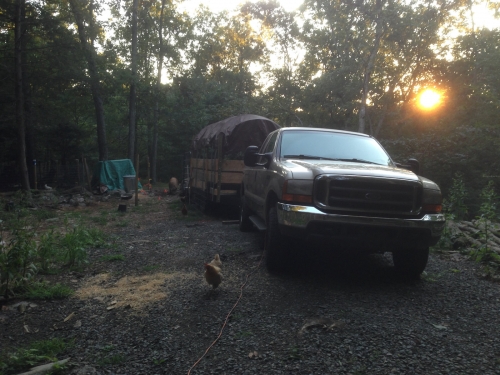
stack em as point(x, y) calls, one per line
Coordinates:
point(258, 222)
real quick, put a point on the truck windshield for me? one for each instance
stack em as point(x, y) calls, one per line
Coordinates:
point(332, 146)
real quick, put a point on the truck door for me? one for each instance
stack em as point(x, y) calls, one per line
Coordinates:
point(263, 175)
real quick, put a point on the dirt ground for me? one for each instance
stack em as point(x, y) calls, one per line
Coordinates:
point(153, 312)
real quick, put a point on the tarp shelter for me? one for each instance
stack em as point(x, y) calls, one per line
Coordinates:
point(239, 133)
point(111, 173)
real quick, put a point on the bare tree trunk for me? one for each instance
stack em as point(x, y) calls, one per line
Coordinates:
point(379, 30)
point(154, 149)
point(133, 86)
point(21, 131)
point(95, 85)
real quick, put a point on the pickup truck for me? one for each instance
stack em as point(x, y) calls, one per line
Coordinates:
point(339, 188)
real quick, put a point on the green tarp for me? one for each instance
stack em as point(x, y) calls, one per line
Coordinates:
point(111, 173)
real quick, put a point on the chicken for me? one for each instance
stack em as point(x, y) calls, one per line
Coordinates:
point(173, 186)
point(184, 210)
point(213, 275)
point(216, 261)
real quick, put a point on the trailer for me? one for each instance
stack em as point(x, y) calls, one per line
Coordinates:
point(216, 162)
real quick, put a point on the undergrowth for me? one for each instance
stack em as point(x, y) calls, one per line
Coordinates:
point(455, 209)
point(26, 252)
point(37, 353)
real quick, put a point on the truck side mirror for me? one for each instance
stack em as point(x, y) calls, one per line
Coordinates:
point(414, 166)
point(251, 156)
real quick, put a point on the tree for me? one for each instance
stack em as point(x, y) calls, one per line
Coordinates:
point(283, 84)
point(133, 85)
point(21, 130)
point(87, 36)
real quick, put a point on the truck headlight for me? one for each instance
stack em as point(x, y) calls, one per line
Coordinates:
point(299, 191)
point(432, 201)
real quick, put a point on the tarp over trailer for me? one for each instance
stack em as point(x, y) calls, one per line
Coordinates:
point(216, 165)
point(239, 133)
point(111, 173)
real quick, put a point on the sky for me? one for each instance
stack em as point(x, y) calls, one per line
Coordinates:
point(482, 15)
point(220, 5)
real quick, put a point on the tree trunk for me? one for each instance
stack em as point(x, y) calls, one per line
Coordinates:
point(154, 148)
point(95, 85)
point(133, 86)
point(21, 131)
point(379, 30)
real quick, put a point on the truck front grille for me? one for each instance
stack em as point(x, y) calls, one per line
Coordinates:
point(368, 195)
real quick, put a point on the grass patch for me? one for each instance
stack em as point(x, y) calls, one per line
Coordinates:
point(294, 353)
point(112, 257)
point(42, 290)
point(111, 360)
point(151, 268)
point(44, 214)
point(37, 353)
point(100, 220)
point(243, 334)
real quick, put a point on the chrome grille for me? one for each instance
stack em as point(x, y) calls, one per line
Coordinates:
point(368, 195)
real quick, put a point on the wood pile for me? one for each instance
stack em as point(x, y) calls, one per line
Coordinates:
point(467, 234)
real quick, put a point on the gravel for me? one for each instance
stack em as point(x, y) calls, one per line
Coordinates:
point(446, 323)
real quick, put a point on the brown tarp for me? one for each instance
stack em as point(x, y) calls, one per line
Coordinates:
point(239, 133)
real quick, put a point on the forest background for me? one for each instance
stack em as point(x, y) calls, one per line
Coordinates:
point(112, 79)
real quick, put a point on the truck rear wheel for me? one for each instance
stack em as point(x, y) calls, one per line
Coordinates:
point(411, 262)
point(275, 244)
point(245, 223)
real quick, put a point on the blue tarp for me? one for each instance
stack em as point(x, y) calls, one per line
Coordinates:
point(111, 173)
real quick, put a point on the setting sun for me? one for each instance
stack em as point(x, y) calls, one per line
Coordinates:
point(429, 99)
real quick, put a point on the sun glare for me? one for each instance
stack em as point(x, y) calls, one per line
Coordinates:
point(429, 99)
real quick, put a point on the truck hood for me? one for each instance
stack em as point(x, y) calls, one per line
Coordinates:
point(309, 169)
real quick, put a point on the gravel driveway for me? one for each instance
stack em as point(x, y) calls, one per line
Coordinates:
point(154, 313)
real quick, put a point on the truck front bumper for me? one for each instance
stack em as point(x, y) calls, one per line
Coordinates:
point(301, 219)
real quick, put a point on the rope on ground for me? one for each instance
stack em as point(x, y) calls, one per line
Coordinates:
point(227, 317)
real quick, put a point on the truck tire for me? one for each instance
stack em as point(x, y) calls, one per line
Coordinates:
point(274, 244)
point(245, 223)
point(410, 262)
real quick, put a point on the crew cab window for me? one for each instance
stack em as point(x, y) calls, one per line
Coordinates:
point(268, 146)
point(332, 146)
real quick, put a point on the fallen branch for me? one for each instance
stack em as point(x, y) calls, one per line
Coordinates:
point(45, 368)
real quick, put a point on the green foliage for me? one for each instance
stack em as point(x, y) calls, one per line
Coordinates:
point(38, 352)
point(75, 243)
point(111, 360)
point(151, 268)
point(488, 213)
point(455, 207)
point(112, 257)
point(43, 290)
point(23, 257)
point(17, 261)
point(47, 249)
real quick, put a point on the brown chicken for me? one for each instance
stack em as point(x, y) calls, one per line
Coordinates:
point(184, 210)
point(216, 261)
point(213, 275)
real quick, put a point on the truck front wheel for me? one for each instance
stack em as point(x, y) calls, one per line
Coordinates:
point(275, 244)
point(411, 262)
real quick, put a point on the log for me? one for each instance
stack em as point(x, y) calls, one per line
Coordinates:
point(472, 240)
point(45, 368)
